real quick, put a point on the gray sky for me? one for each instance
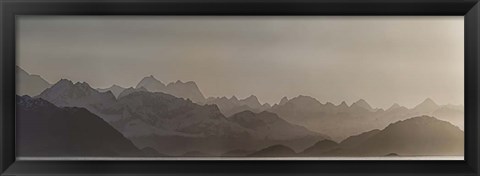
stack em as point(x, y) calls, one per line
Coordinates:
point(380, 59)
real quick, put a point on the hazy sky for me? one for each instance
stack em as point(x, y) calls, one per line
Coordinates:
point(380, 59)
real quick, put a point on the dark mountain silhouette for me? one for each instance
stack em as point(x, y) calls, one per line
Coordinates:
point(115, 89)
point(353, 141)
point(187, 90)
point(274, 151)
point(422, 135)
point(230, 106)
point(47, 130)
point(28, 84)
point(418, 136)
point(319, 148)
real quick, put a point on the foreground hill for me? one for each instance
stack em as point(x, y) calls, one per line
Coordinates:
point(274, 151)
point(47, 130)
point(418, 136)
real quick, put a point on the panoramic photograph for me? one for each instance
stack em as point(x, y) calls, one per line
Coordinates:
point(184, 87)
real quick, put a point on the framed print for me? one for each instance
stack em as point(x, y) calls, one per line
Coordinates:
point(254, 87)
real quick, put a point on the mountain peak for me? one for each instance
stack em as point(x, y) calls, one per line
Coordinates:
point(305, 99)
point(394, 106)
point(251, 97)
point(234, 98)
point(115, 86)
point(427, 105)
point(343, 104)
point(251, 101)
point(151, 83)
point(429, 101)
point(283, 101)
point(363, 104)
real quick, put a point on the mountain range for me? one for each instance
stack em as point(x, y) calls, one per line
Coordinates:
point(417, 136)
point(176, 119)
point(341, 121)
point(144, 117)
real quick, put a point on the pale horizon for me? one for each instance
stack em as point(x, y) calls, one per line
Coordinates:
point(383, 60)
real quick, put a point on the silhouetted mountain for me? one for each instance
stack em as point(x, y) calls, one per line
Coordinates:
point(362, 104)
point(131, 90)
point(28, 84)
point(47, 130)
point(393, 107)
point(353, 141)
point(151, 84)
point(274, 151)
point(187, 90)
point(283, 101)
point(418, 136)
point(115, 89)
point(64, 93)
point(233, 105)
point(427, 106)
point(319, 148)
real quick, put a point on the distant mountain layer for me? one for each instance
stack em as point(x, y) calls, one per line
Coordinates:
point(149, 117)
point(28, 84)
point(115, 89)
point(47, 130)
point(418, 136)
point(230, 106)
point(187, 90)
point(341, 121)
point(131, 90)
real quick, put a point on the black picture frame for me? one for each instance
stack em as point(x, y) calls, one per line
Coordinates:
point(10, 9)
